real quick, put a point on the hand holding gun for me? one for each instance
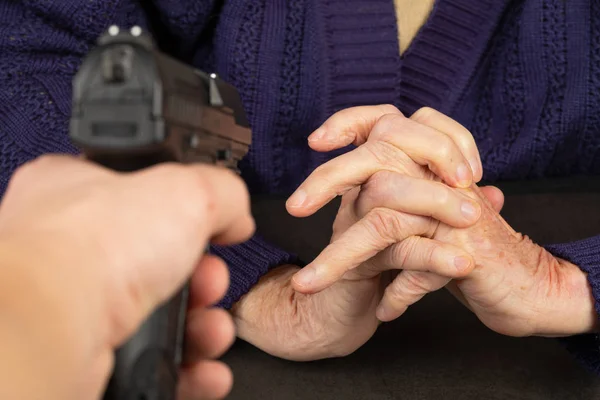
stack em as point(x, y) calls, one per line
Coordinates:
point(134, 107)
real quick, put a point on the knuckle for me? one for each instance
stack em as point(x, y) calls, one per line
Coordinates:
point(384, 224)
point(445, 150)
point(382, 178)
point(462, 132)
point(401, 252)
point(388, 126)
point(431, 255)
point(21, 174)
point(374, 191)
point(44, 160)
point(425, 115)
point(389, 109)
point(396, 291)
point(28, 170)
point(342, 125)
point(381, 151)
point(190, 191)
point(441, 196)
point(366, 201)
point(416, 283)
point(466, 137)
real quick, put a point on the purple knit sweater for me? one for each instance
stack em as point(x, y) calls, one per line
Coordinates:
point(524, 78)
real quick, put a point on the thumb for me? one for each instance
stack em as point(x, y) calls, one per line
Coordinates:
point(494, 196)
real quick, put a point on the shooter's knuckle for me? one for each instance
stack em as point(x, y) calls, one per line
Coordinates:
point(28, 170)
point(191, 192)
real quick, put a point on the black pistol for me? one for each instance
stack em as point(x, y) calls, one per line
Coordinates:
point(133, 107)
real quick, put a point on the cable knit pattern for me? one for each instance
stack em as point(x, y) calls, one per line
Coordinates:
point(513, 89)
point(554, 46)
point(243, 73)
point(290, 84)
point(589, 145)
point(522, 75)
point(240, 66)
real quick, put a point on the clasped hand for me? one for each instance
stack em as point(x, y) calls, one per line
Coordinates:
point(413, 218)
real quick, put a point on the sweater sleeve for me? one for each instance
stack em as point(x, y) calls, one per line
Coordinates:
point(41, 47)
point(247, 263)
point(585, 254)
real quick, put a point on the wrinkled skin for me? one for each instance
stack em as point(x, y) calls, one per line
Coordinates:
point(385, 256)
point(517, 287)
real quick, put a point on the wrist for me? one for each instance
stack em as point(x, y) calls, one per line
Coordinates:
point(281, 322)
point(45, 324)
point(32, 334)
point(572, 309)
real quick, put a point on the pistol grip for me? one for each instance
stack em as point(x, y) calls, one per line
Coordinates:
point(146, 366)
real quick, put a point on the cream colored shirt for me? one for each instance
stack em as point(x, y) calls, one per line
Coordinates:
point(411, 15)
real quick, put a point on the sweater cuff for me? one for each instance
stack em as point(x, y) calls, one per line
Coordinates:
point(247, 263)
point(586, 255)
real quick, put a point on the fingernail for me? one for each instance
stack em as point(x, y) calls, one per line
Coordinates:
point(462, 173)
point(468, 210)
point(382, 313)
point(317, 135)
point(474, 167)
point(305, 277)
point(461, 263)
point(297, 199)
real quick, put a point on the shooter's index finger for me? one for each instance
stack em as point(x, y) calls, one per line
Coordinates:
point(212, 201)
point(227, 204)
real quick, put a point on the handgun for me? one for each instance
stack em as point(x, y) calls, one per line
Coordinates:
point(134, 106)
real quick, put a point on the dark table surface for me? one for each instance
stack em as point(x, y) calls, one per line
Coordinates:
point(437, 350)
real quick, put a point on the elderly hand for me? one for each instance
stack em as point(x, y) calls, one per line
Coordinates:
point(513, 285)
point(95, 252)
point(410, 155)
point(517, 287)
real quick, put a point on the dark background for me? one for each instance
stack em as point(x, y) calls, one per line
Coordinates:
point(438, 349)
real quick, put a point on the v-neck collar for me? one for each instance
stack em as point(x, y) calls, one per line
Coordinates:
point(361, 63)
